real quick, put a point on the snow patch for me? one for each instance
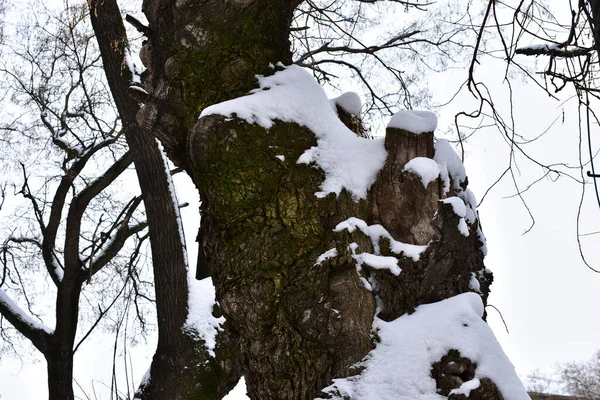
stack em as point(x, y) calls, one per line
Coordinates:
point(280, 157)
point(200, 319)
point(483, 241)
point(460, 209)
point(379, 262)
point(426, 168)
point(414, 121)
point(474, 284)
point(293, 95)
point(412, 343)
point(174, 200)
point(463, 228)
point(135, 73)
point(331, 253)
point(458, 206)
point(451, 165)
point(376, 232)
point(466, 387)
point(469, 198)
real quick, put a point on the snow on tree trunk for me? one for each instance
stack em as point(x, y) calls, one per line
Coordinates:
point(310, 233)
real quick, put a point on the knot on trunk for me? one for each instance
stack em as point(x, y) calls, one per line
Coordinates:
point(455, 377)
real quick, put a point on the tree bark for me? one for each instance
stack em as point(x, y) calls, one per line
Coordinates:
point(174, 371)
point(60, 373)
point(297, 323)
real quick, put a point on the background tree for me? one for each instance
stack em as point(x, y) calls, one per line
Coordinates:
point(72, 229)
point(582, 378)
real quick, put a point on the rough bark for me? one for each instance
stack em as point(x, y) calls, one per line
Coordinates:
point(174, 371)
point(414, 214)
point(453, 370)
point(298, 324)
point(200, 53)
point(60, 374)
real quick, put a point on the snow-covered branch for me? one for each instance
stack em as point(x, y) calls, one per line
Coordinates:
point(34, 330)
point(554, 50)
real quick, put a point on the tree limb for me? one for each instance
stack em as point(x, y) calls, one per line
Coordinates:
point(33, 330)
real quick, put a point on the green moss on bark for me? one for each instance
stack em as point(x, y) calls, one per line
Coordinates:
point(269, 230)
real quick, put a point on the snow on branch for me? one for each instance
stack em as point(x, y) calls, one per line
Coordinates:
point(553, 49)
point(376, 232)
point(32, 329)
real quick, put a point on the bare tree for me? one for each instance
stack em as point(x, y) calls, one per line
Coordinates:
point(582, 378)
point(566, 40)
point(71, 229)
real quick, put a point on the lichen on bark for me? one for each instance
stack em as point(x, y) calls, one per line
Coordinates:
point(299, 322)
point(296, 323)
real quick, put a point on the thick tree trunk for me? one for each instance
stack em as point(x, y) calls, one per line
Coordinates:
point(298, 323)
point(203, 52)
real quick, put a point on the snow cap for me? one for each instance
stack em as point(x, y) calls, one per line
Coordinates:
point(349, 102)
point(414, 121)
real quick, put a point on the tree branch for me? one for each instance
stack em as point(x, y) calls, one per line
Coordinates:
point(58, 202)
point(79, 205)
point(112, 248)
point(35, 331)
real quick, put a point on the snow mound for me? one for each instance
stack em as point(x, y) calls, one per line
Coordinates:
point(426, 168)
point(200, 319)
point(293, 95)
point(399, 367)
point(349, 102)
point(414, 121)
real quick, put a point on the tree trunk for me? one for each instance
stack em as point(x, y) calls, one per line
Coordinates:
point(60, 374)
point(59, 352)
point(181, 367)
point(298, 323)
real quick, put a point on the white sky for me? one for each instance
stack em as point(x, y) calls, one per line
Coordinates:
point(548, 298)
